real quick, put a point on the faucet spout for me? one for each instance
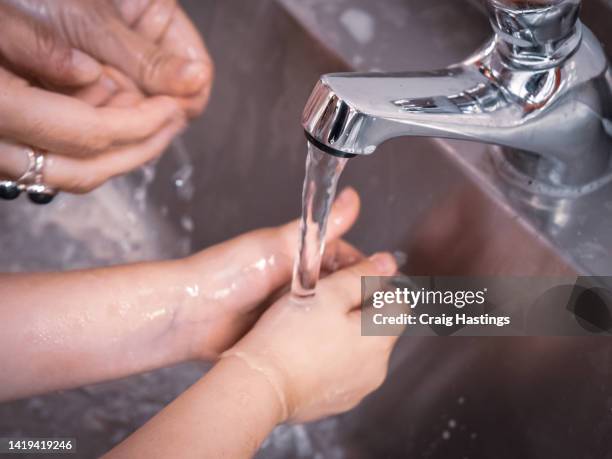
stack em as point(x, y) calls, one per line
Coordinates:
point(555, 108)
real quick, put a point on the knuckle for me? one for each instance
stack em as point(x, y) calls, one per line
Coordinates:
point(131, 10)
point(52, 51)
point(151, 62)
point(164, 9)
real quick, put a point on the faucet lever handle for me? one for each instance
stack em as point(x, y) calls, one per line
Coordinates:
point(536, 34)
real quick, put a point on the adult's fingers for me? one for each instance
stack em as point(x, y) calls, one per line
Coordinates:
point(13, 160)
point(98, 93)
point(166, 23)
point(339, 254)
point(155, 19)
point(183, 39)
point(131, 10)
point(31, 48)
point(125, 99)
point(156, 70)
point(59, 123)
point(84, 175)
point(343, 288)
point(111, 85)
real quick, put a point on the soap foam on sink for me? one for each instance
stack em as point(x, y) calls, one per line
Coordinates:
point(359, 24)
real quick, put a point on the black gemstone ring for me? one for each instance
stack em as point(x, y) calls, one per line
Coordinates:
point(31, 181)
point(40, 194)
point(9, 190)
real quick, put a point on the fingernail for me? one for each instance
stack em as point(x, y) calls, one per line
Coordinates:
point(89, 68)
point(195, 73)
point(384, 263)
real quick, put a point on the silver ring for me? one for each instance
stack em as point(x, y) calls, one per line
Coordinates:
point(29, 176)
point(32, 181)
point(39, 167)
point(38, 192)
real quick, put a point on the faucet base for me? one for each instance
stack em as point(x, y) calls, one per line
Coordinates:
point(537, 175)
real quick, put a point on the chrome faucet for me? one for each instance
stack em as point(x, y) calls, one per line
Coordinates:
point(541, 89)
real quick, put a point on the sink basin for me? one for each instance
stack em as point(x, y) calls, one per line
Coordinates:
point(241, 167)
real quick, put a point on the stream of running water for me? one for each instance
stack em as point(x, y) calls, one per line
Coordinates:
point(320, 184)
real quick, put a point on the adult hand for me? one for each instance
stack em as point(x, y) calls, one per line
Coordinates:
point(87, 145)
point(152, 41)
point(312, 351)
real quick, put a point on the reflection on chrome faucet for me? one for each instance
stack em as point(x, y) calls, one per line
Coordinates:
point(541, 89)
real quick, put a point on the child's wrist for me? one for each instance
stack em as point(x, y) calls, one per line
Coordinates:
point(196, 320)
point(263, 382)
point(177, 286)
point(267, 374)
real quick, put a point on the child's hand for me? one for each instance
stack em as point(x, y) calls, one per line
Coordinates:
point(305, 359)
point(227, 287)
point(312, 351)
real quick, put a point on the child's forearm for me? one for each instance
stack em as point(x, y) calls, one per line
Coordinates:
point(228, 414)
point(59, 331)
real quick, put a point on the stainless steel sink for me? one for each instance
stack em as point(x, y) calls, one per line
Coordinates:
point(440, 202)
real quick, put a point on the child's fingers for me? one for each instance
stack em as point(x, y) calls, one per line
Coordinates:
point(343, 215)
point(343, 288)
point(281, 243)
point(339, 254)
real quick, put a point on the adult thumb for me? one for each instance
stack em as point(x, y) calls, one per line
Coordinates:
point(154, 69)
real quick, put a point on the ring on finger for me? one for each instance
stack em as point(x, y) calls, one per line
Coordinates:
point(38, 191)
point(31, 181)
point(11, 189)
